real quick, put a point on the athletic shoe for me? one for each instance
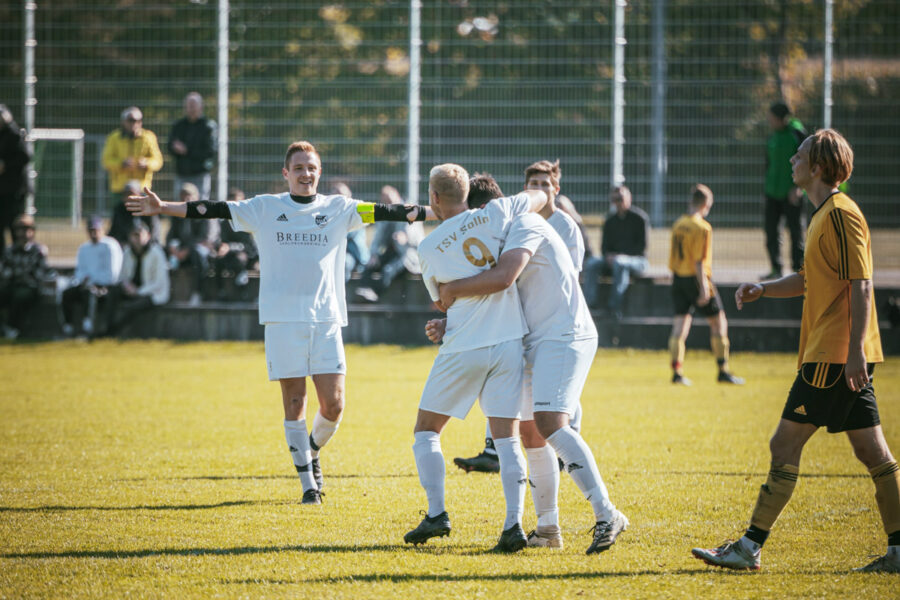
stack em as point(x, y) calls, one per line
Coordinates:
point(547, 536)
point(317, 473)
point(606, 532)
point(679, 379)
point(483, 463)
point(889, 563)
point(437, 526)
point(312, 497)
point(726, 377)
point(511, 540)
point(730, 555)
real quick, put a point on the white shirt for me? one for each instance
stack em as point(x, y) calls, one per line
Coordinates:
point(100, 263)
point(568, 230)
point(154, 272)
point(552, 301)
point(466, 245)
point(302, 248)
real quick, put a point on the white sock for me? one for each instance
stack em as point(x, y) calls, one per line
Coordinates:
point(575, 423)
point(582, 467)
point(512, 474)
point(749, 545)
point(322, 430)
point(543, 474)
point(430, 464)
point(298, 443)
point(489, 440)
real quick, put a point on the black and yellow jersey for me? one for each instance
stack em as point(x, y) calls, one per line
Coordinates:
point(691, 242)
point(838, 250)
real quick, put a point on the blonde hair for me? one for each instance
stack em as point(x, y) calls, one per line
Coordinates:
point(450, 182)
point(544, 166)
point(700, 195)
point(830, 151)
point(301, 146)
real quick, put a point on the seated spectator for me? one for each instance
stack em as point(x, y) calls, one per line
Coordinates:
point(22, 270)
point(393, 251)
point(623, 249)
point(357, 251)
point(123, 221)
point(97, 268)
point(236, 254)
point(190, 243)
point(144, 281)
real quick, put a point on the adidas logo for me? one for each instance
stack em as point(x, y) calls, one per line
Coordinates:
point(800, 410)
point(573, 466)
point(522, 481)
point(292, 449)
point(282, 217)
point(340, 366)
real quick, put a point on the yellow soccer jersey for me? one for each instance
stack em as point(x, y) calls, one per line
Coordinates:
point(691, 241)
point(838, 249)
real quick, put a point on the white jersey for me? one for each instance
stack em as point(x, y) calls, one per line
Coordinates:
point(568, 230)
point(301, 254)
point(466, 245)
point(548, 286)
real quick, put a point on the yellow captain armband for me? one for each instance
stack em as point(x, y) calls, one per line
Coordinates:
point(366, 211)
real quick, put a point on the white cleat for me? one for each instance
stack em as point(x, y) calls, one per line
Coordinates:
point(730, 555)
point(545, 536)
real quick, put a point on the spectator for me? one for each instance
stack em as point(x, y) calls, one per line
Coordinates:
point(623, 251)
point(394, 250)
point(144, 281)
point(131, 153)
point(193, 144)
point(190, 242)
point(123, 221)
point(14, 159)
point(22, 270)
point(236, 254)
point(783, 198)
point(357, 249)
point(97, 268)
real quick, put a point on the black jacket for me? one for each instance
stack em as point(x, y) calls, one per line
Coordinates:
point(200, 138)
point(15, 156)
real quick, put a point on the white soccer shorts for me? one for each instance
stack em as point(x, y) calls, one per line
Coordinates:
point(492, 374)
point(300, 349)
point(555, 372)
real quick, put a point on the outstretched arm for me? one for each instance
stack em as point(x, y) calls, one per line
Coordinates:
point(786, 287)
point(487, 282)
point(149, 204)
point(537, 200)
point(371, 212)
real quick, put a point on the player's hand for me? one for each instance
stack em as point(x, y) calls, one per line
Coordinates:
point(855, 372)
point(435, 329)
point(447, 298)
point(144, 205)
point(704, 298)
point(440, 306)
point(747, 292)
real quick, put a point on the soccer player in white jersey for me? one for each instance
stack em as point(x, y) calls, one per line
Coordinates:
point(559, 350)
point(301, 236)
point(545, 176)
point(481, 355)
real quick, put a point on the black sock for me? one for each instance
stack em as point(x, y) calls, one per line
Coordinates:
point(894, 538)
point(757, 535)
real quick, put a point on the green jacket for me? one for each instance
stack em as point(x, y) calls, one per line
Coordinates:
point(780, 147)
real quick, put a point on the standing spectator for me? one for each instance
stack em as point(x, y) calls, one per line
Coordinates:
point(236, 253)
point(394, 250)
point(357, 249)
point(623, 250)
point(190, 243)
point(131, 153)
point(193, 144)
point(14, 159)
point(97, 268)
point(22, 269)
point(783, 198)
point(144, 278)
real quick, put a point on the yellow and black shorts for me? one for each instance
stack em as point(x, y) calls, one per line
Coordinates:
point(820, 396)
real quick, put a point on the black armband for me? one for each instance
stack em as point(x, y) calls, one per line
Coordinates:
point(204, 209)
point(398, 212)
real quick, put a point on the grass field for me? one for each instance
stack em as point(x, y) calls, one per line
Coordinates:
point(159, 470)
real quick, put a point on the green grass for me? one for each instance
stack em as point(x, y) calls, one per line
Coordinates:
point(155, 469)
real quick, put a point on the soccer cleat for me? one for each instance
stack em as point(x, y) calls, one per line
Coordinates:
point(889, 563)
point(548, 536)
point(606, 532)
point(511, 540)
point(317, 473)
point(679, 379)
point(312, 497)
point(437, 526)
point(483, 463)
point(726, 377)
point(730, 555)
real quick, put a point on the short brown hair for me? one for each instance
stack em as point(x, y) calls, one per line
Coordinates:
point(830, 151)
point(544, 166)
point(301, 146)
point(482, 189)
point(449, 181)
point(700, 194)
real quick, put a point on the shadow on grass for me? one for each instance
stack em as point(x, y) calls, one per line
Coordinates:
point(250, 477)
point(763, 475)
point(50, 508)
point(239, 550)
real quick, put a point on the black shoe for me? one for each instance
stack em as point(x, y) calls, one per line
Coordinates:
point(606, 532)
point(726, 377)
point(679, 379)
point(511, 540)
point(312, 497)
point(484, 463)
point(437, 526)
point(317, 473)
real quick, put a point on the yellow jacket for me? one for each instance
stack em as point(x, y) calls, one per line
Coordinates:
point(119, 147)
